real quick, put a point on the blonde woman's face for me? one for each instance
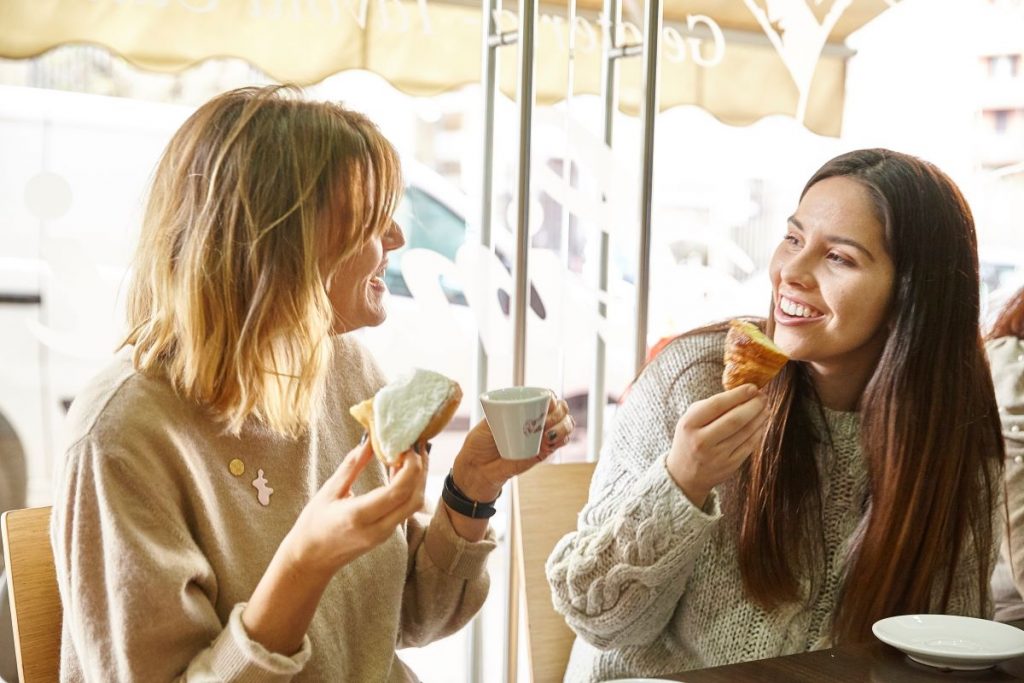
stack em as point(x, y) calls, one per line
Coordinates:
point(357, 289)
point(832, 279)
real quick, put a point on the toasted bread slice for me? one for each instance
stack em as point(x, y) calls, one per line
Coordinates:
point(750, 356)
point(408, 411)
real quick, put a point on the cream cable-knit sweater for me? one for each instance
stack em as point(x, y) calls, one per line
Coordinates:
point(159, 539)
point(1006, 356)
point(650, 583)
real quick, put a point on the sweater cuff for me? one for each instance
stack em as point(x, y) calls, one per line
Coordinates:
point(453, 554)
point(684, 518)
point(236, 657)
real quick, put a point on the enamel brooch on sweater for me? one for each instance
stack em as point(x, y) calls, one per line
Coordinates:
point(263, 492)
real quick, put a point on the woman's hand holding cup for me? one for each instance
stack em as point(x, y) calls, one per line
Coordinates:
point(480, 471)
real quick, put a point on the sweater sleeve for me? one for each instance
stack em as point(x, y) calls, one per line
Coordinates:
point(1014, 524)
point(618, 578)
point(137, 592)
point(1007, 359)
point(447, 579)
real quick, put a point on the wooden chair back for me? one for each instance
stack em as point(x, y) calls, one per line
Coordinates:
point(32, 584)
point(546, 502)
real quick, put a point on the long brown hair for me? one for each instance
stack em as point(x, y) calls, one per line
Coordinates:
point(929, 429)
point(1010, 321)
point(257, 202)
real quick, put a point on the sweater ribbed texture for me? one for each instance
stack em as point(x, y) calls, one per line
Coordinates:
point(650, 583)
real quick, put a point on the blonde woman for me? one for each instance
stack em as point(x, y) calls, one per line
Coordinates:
point(217, 517)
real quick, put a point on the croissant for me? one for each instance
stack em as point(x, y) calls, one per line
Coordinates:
point(407, 411)
point(750, 356)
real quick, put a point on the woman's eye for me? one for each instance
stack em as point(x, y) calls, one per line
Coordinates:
point(839, 259)
point(791, 238)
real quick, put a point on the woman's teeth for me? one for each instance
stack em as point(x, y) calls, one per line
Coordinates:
point(792, 308)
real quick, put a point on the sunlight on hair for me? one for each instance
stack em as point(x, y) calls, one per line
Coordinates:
point(258, 197)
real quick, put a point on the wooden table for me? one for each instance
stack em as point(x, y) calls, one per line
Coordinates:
point(874, 662)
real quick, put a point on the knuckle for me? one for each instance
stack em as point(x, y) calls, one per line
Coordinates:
point(685, 429)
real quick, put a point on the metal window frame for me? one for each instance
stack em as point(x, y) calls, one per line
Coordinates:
point(492, 40)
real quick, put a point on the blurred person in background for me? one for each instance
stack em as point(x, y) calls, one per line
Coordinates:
point(217, 516)
point(860, 483)
point(1006, 356)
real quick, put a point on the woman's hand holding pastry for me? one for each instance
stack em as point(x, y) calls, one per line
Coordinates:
point(714, 437)
point(333, 529)
point(337, 527)
point(480, 472)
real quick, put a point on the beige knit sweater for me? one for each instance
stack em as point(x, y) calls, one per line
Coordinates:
point(158, 543)
point(1006, 357)
point(650, 583)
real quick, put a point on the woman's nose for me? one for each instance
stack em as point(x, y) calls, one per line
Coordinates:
point(798, 271)
point(394, 238)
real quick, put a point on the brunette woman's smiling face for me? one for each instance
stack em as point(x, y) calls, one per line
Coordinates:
point(832, 280)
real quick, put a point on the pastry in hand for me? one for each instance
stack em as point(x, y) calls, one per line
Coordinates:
point(750, 356)
point(407, 411)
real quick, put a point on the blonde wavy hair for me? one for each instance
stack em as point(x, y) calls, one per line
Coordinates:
point(257, 202)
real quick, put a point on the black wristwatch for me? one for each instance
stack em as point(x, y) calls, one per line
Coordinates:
point(458, 501)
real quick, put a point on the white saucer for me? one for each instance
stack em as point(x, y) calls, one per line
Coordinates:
point(951, 642)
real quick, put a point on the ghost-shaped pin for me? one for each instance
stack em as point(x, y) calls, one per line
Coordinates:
point(262, 490)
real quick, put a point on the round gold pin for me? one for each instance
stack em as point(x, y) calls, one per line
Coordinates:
point(237, 467)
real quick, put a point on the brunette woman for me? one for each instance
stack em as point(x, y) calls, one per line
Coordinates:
point(860, 484)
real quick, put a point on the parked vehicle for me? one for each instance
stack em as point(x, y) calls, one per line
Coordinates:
point(440, 305)
point(74, 175)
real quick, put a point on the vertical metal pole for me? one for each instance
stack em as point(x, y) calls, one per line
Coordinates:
point(520, 295)
point(564, 246)
point(527, 22)
point(649, 110)
point(610, 97)
point(489, 73)
point(489, 50)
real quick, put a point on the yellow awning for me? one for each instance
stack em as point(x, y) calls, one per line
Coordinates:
point(741, 59)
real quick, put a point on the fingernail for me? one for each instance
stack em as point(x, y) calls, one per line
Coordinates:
point(552, 434)
point(363, 439)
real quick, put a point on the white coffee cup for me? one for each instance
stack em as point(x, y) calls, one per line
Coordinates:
point(516, 417)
